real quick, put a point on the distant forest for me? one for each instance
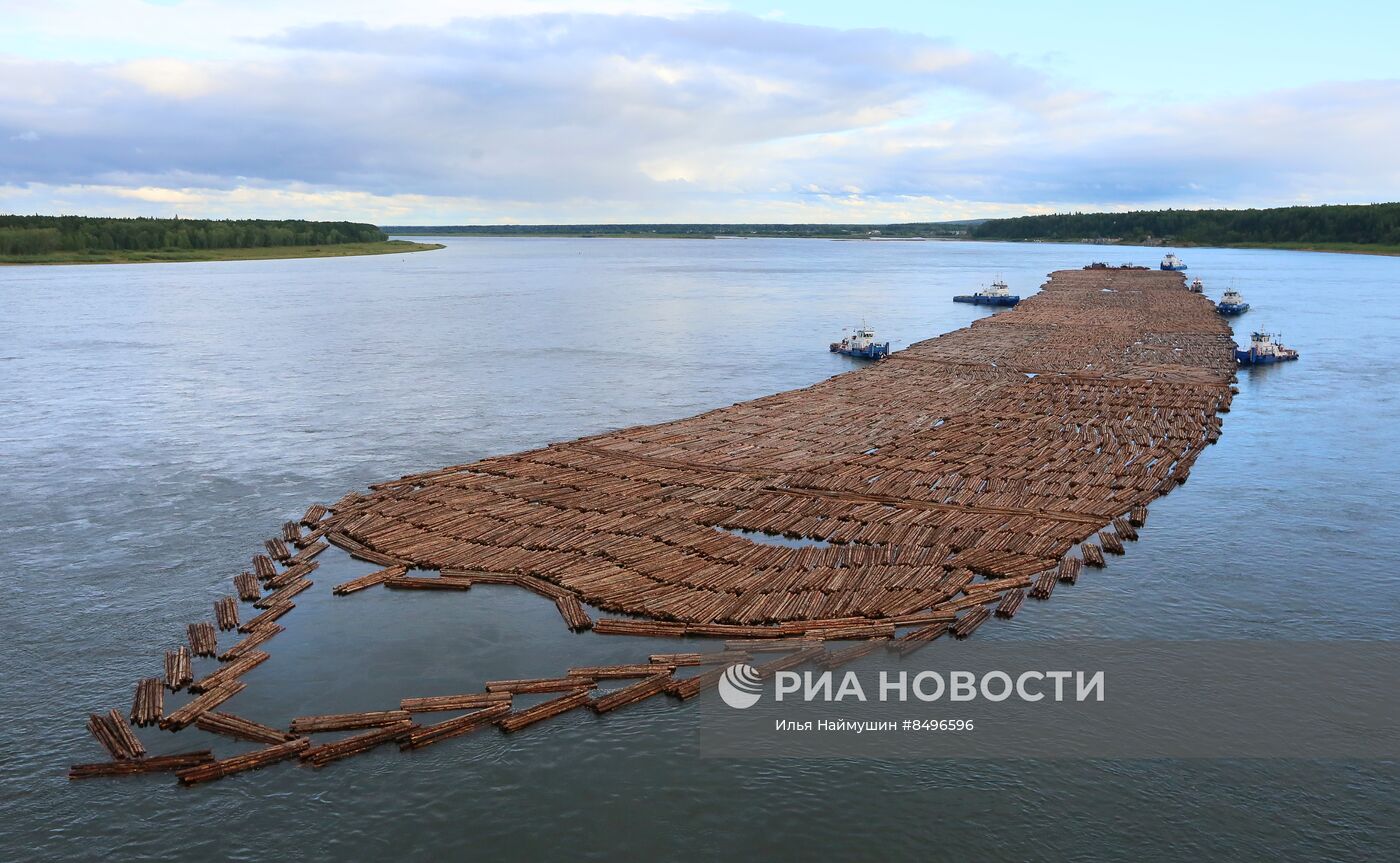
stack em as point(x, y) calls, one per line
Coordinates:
point(42, 235)
point(1369, 224)
point(912, 229)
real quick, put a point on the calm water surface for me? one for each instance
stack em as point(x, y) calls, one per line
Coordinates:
point(158, 421)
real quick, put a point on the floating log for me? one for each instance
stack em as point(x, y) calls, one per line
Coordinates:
point(186, 715)
point(539, 684)
point(379, 576)
point(619, 672)
point(646, 688)
point(273, 612)
point(515, 721)
point(307, 553)
point(1111, 542)
point(240, 729)
point(134, 767)
point(408, 582)
point(455, 727)
point(919, 638)
point(1045, 584)
point(204, 641)
point(572, 611)
point(846, 655)
point(1124, 529)
point(727, 657)
point(226, 613)
point(294, 573)
point(1093, 555)
point(792, 660)
point(1011, 603)
point(263, 567)
point(314, 514)
point(689, 687)
point(111, 730)
point(347, 721)
point(254, 640)
point(769, 646)
point(968, 623)
point(284, 594)
point(1069, 569)
point(623, 626)
point(148, 704)
point(469, 701)
point(277, 550)
point(320, 756)
point(235, 669)
point(883, 629)
point(178, 670)
point(1137, 516)
point(291, 532)
point(240, 763)
point(247, 586)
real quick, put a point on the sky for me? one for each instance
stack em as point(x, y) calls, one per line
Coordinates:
point(607, 111)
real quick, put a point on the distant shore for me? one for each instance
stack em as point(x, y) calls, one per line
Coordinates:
point(265, 253)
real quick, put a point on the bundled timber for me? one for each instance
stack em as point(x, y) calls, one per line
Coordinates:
point(254, 640)
point(792, 660)
point(572, 611)
point(620, 672)
point(314, 514)
point(541, 684)
point(347, 721)
point(240, 763)
point(675, 660)
point(1137, 516)
point(409, 582)
point(263, 567)
point(178, 670)
point(1124, 529)
point(1111, 542)
point(247, 586)
point(204, 641)
point(689, 687)
point(1045, 584)
point(240, 729)
point(969, 622)
point(545, 710)
point(271, 614)
point(643, 689)
point(226, 613)
point(232, 671)
point(919, 638)
point(1011, 603)
point(320, 756)
point(470, 701)
point(294, 573)
point(291, 532)
point(188, 713)
point(379, 576)
point(1093, 555)
point(148, 704)
point(111, 730)
point(454, 727)
point(284, 594)
point(1069, 569)
point(1089, 399)
point(138, 766)
point(310, 551)
point(837, 658)
point(277, 550)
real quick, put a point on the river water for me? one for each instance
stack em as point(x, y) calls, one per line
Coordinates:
point(157, 421)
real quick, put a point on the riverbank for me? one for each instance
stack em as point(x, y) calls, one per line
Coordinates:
point(386, 247)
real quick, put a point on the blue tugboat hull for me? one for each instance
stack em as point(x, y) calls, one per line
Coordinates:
point(1177, 269)
point(1232, 308)
point(874, 352)
point(1249, 358)
point(986, 301)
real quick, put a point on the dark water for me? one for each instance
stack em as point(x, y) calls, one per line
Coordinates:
point(158, 421)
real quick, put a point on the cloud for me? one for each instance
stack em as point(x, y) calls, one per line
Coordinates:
point(637, 117)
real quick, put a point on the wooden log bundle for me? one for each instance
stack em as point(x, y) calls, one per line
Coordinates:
point(314, 514)
point(284, 594)
point(1011, 602)
point(226, 613)
point(247, 586)
point(241, 763)
point(519, 719)
point(643, 689)
point(409, 582)
point(1111, 542)
point(295, 572)
point(255, 639)
point(689, 687)
point(232, 671)
point(1093, 555)
point(674, 660)
point(186, 714)
point(968, 623)
point(454, 727)
point(837, 658)
point(263, 567)
point(469, 701)
point(291, 532)
point(204, 641)
point(148, 704)
point(1124, 529)
point(277, 550)
point(539, 684)
point(1137, 516)
point(138, 766)
point(572, 611)
point(178, 669)
point(379, 576)
point(305, 555)
point(1068, 570)
point(111, 730)
point(347, 721)
point(271, 614)
point(240, 729)
point(320, 756)
point(620, 672)
point(920, 638)
point(1045, 584)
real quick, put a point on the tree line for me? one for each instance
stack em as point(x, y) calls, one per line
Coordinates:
point(1377, 224)
point(913, 229)
point(41, 235)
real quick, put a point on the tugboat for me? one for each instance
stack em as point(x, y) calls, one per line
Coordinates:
point(997, 295)
point(1232, 303)
point(1173, 263)
point(861, 344)
point(1263, 351)
point(1197, 287)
